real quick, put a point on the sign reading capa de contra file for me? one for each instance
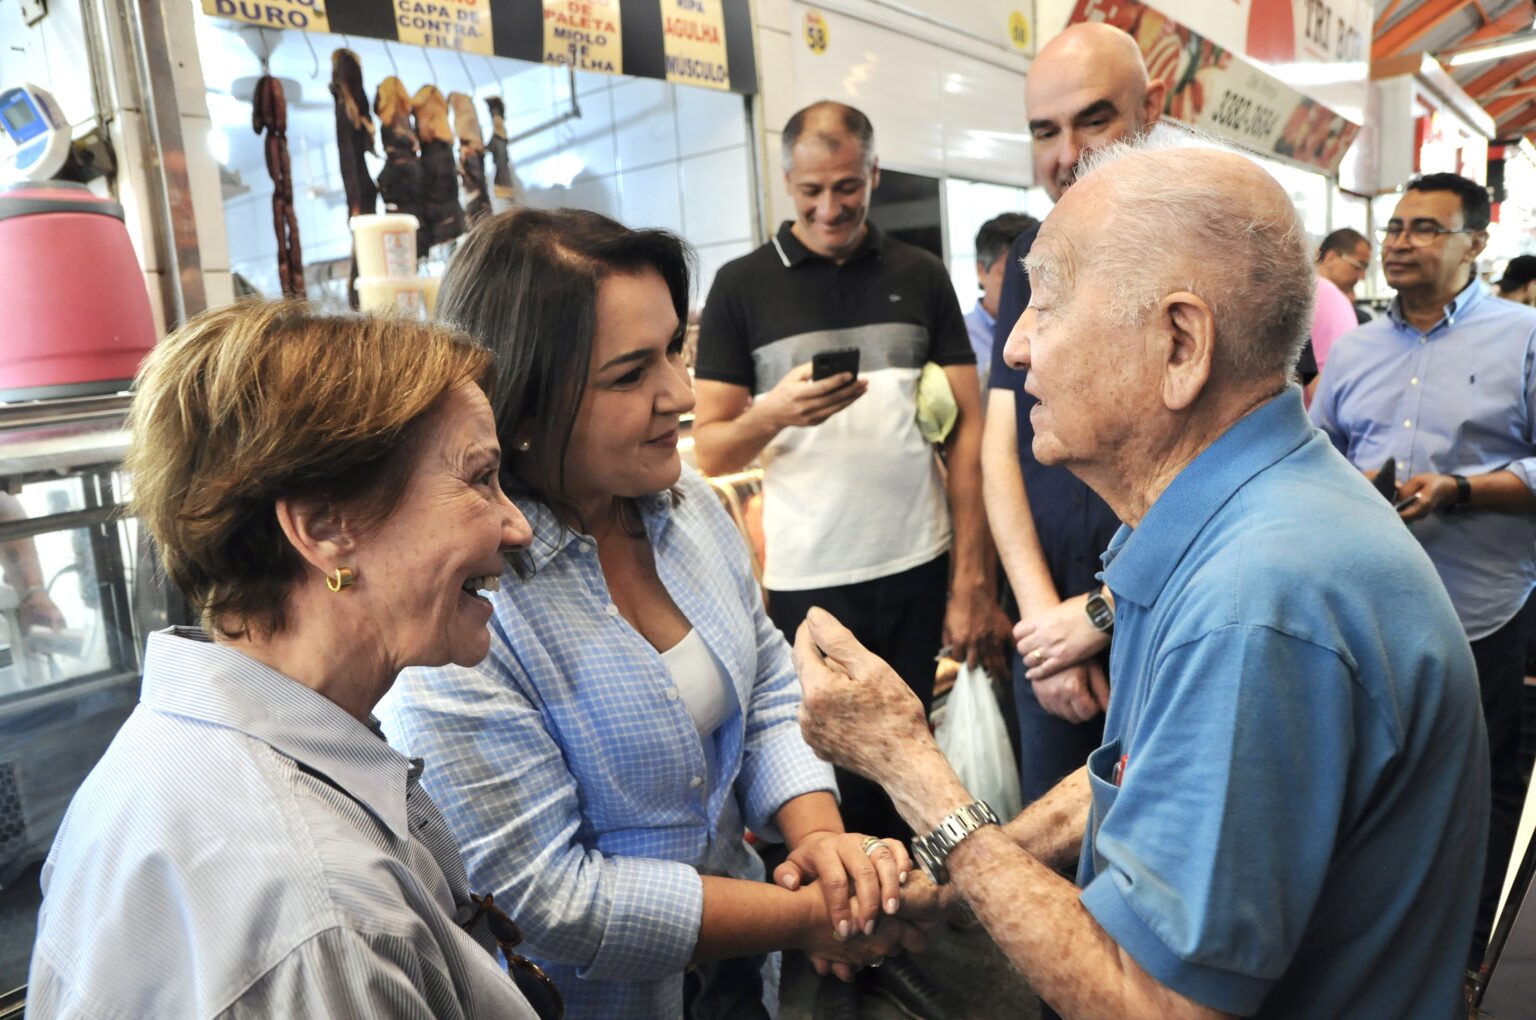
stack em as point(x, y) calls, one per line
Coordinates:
point(706, 43)
point(1213, 89)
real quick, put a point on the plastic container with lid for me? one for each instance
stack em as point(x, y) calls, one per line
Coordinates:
point(385, 244)
point(391, 295)
point(79, 320)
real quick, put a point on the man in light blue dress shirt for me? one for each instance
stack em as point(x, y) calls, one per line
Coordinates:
point(993, 240)
point(1442, 388)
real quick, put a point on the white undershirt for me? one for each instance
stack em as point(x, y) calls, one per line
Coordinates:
point(702, 685)
point(700, 682)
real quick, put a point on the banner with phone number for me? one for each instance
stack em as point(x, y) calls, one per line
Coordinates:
point(1215, 90)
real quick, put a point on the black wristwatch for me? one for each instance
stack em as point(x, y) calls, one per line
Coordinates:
point(1100, 613)
point(1463, 490)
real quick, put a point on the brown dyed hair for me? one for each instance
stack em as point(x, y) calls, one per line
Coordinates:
point(258, 402)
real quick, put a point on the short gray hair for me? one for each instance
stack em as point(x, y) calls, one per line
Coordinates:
point(851, 119)
point(1250, 263)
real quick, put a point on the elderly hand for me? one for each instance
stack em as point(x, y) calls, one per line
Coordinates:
point(840, 865)
point(977, 630)
point(1076, 694)
point(798, 400)
point(1059, 637)
point(856, 711)
point(1430, 492)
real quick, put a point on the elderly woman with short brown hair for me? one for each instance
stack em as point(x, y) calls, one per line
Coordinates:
point(324, 491)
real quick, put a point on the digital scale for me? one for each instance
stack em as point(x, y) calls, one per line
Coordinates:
point(30, 118)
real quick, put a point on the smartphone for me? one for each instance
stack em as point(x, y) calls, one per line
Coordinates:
point(1402, 503)
point(825, 364)
point(1386, 480)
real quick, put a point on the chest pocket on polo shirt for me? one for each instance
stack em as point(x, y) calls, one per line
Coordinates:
point(1104, 775)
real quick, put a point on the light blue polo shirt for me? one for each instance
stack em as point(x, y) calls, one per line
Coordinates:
point(1290, 807)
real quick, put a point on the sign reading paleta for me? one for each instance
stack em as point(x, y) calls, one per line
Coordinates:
point(706, 43)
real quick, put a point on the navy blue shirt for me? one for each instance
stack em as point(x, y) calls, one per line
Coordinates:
point(1291, 802)
point(1073, 523)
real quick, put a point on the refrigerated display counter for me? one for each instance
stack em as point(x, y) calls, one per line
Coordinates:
point(78, 593)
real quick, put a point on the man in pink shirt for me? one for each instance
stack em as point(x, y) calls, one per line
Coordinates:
point(1342, 260)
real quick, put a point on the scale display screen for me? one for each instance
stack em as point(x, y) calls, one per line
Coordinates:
point(19, 115)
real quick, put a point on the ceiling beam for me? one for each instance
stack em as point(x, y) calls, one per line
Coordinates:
point(1386, 15)
point(1482, 12)
point(1518, 125)
point(1517, 19)
point(1415, 25)
point(1501, 74)
point(1499, 108)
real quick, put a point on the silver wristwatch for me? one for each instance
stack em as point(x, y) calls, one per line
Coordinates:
point(932, 851)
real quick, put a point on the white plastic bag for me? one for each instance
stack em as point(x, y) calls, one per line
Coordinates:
point(974, 739)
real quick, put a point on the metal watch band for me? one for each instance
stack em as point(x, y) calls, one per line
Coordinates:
point(932, 851)
point(1099, 612)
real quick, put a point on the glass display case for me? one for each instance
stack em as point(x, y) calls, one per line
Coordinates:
point(77, 595)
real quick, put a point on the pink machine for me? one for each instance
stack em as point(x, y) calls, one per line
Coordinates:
point(80, 321)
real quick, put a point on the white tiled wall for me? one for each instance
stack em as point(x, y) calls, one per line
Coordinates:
point(645, 152)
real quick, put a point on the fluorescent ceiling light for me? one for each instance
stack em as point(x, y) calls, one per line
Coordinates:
point(1515, 45)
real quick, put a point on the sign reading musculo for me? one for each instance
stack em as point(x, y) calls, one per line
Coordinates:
point(694, 34)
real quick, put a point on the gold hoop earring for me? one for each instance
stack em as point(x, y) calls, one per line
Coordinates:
point(342, 578)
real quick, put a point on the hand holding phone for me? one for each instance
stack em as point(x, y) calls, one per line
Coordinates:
point(825, 364)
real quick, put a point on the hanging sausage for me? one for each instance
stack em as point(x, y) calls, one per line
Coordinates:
point(354, 137)
point(400, 182)
point(477, 198)
point(444, 219)
point(269, 115)
point(500, 159)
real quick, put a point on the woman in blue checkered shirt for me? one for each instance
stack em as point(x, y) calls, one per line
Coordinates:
point(638, 710)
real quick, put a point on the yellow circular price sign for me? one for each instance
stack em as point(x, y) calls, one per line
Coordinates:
point(1018, 30)
point(817, 36)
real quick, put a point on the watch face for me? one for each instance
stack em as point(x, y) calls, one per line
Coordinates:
point(1099, 612)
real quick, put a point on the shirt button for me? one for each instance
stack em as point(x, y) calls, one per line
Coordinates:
point(1423, 339)
point(671, 693)
point(1414, 381)
point(583, 547)
point(1402, 465)
point(696, 782)
point(611, 609)
point(1407, 423)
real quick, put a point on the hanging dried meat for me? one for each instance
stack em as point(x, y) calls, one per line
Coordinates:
point(444, 217)
point(354, 137)
point(500, 160)
point(354, 132)
point(269, 115)
point(401, 182)
point(477, 197)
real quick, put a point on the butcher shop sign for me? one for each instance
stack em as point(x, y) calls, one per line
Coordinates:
point(707, 43)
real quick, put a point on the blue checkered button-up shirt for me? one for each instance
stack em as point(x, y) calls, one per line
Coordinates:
point(573, 775)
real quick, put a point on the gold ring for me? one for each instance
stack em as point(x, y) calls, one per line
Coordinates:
point(870, 844)
point(1038, 655)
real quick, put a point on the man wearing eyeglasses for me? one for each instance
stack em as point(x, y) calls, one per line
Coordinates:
point(1342, 260)
point(1443, 389)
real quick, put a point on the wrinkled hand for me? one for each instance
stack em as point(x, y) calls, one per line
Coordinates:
point(832, 954)
point(1434, 492)
point(1076, 694)
point(856, 712)
point(837, 863)
point(1059, 637)
point(977, 630)
point(798, 401)
point(923, 903)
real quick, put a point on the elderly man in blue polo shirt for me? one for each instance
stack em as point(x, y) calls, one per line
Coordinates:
point(1287, 817)
point(1443, 388)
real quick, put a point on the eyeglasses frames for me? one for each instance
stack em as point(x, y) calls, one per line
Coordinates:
point(1420, 233)
point(536, 986)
